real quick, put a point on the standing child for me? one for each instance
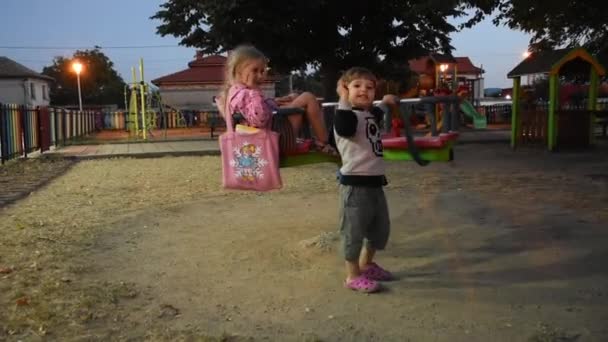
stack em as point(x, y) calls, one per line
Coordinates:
point(364, 219)
point(245, 73)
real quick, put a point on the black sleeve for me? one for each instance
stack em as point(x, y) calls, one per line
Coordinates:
point(345, 123)
point(378, 112)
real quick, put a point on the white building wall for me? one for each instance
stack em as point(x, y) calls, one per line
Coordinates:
point(31, 92)
point(197, 97)
point(12, 91)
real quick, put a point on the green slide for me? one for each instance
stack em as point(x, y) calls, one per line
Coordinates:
point(479, 121)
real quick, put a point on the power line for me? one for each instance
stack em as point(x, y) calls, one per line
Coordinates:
point(88, 47)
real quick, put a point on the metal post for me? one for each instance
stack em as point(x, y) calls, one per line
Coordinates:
point(143, 98)
point(134, 102)
point(454, 116)
point(446, 120)
point(79, 92)
point(553, 108)
point(431, 110)
point(515, 112)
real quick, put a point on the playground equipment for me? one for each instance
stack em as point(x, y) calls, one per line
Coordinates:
point(555, 124)
point(479, 121)
point(438, 146)
point(422, 150)
point(396, 148)
point(439, 76)
point(140, 101)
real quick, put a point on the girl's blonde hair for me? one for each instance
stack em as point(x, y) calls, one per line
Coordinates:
point(236, 58)
point(357, 73)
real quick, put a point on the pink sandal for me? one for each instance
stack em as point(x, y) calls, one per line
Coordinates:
point(362, 284)
point(375, 272)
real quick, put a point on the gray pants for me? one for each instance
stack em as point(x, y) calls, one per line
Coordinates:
point(363, 217)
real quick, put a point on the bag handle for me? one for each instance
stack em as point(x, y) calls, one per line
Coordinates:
point(228, 116)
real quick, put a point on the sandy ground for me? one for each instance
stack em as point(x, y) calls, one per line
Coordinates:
point(496, 246)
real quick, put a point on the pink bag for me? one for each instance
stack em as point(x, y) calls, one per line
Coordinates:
point(250, 161)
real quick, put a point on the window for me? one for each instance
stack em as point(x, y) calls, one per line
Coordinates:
point(33, 90)
point(45, 93)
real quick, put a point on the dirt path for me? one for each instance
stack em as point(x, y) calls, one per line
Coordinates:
point(497, 246)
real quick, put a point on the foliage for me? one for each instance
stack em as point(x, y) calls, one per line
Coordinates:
point(558, 23)
point(329, 36)
point(100, 83)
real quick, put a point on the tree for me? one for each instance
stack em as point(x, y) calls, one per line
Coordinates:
point(558, 23)
point(328, 35)
point(300, 81)
point(100, 83)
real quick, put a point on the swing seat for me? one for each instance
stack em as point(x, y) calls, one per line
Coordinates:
point(400, 143)
point(425, 142)
point(450, 136)
point(301, 155)
point(302, 147)
point(437, 148)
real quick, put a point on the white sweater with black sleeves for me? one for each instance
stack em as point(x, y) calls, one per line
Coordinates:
point(357, 132)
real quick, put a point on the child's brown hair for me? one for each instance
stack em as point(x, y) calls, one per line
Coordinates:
point(356, 73)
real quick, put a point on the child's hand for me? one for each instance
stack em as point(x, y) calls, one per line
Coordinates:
point(342, 91)
point(390, 99)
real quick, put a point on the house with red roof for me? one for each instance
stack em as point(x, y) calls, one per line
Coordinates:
point(195, 87)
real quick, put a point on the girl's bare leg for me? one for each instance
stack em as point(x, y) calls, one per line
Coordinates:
point(314, 114)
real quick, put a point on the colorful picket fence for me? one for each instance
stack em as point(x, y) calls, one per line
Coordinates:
point(175, 119)
point(26, 129)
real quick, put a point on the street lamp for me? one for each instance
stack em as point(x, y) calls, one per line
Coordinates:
point(77, 66)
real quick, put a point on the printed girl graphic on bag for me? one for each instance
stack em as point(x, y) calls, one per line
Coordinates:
point(247, 163)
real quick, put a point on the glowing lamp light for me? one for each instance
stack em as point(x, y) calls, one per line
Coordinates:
point(443, 67)
point(77, 66)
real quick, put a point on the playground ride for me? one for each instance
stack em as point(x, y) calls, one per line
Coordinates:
point(397, 147)
point(438, 146)
point(423, 150)
point(145, 107)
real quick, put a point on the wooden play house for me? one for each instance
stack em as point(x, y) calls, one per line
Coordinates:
point(558, 125)
point(433, 69)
